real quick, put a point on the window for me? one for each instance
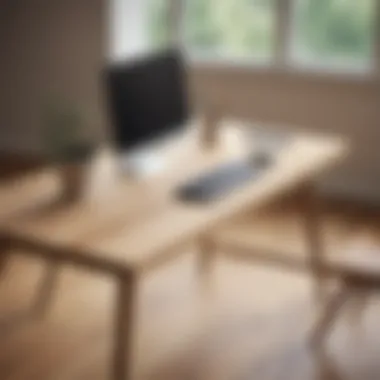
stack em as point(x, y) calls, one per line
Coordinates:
point(158, 23)
point(330, 33)
point(138, 26)
point(334, 32)
point(230, 28)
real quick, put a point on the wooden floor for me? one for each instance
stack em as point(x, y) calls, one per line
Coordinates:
point(254, 327)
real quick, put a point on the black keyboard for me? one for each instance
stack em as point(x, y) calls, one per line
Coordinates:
point(220, 182)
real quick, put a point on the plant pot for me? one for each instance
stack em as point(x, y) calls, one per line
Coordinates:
point(73, 177)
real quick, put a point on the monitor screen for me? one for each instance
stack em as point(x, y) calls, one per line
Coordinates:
point(147, 98)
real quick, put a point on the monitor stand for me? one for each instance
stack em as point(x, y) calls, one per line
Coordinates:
point(149, 159)
point(143, 163)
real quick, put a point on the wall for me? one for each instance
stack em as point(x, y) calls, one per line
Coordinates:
point(127, 29)
point(346, 105)
point(48, 47)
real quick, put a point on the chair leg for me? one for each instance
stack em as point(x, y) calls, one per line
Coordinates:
point(357, 306)
point(328, 317)
point(46, 289)
point(312, 209)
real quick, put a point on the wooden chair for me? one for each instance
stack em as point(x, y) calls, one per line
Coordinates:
point(358, 275)
point(356, 271)
point(293, 244)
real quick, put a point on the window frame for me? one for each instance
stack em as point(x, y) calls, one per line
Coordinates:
point(282, 61)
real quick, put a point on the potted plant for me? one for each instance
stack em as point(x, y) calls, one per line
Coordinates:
point(68, 147)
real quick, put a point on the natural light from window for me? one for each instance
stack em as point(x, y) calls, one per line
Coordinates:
point(327, 34)
point(334, 32)
point(230, 29)
point(158, 23)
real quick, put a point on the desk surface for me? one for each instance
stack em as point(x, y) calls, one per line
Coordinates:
point(135, 223)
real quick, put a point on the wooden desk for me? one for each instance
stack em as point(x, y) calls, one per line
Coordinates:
point(126, 227)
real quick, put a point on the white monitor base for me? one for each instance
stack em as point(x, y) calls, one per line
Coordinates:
point(143, 164)
point(150, 159)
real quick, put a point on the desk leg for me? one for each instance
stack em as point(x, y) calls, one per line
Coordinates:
point(314, 239)
point(329, 315)
point(123, 328)
point(206, 259)
point(4, 256)
point(47, 288)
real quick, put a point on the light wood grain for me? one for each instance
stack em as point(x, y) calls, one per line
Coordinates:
point(250, 337)
point(120, 222)
point(125, 227)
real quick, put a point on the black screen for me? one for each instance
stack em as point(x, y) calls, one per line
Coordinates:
point(147, 98)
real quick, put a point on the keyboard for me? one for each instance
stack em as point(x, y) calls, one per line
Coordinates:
point(220, 182)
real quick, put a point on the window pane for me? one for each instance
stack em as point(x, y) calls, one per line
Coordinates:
point(230, 28)
point(158, 23)
point(334, 31)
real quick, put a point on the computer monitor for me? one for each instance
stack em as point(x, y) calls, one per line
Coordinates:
point(147, 99)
